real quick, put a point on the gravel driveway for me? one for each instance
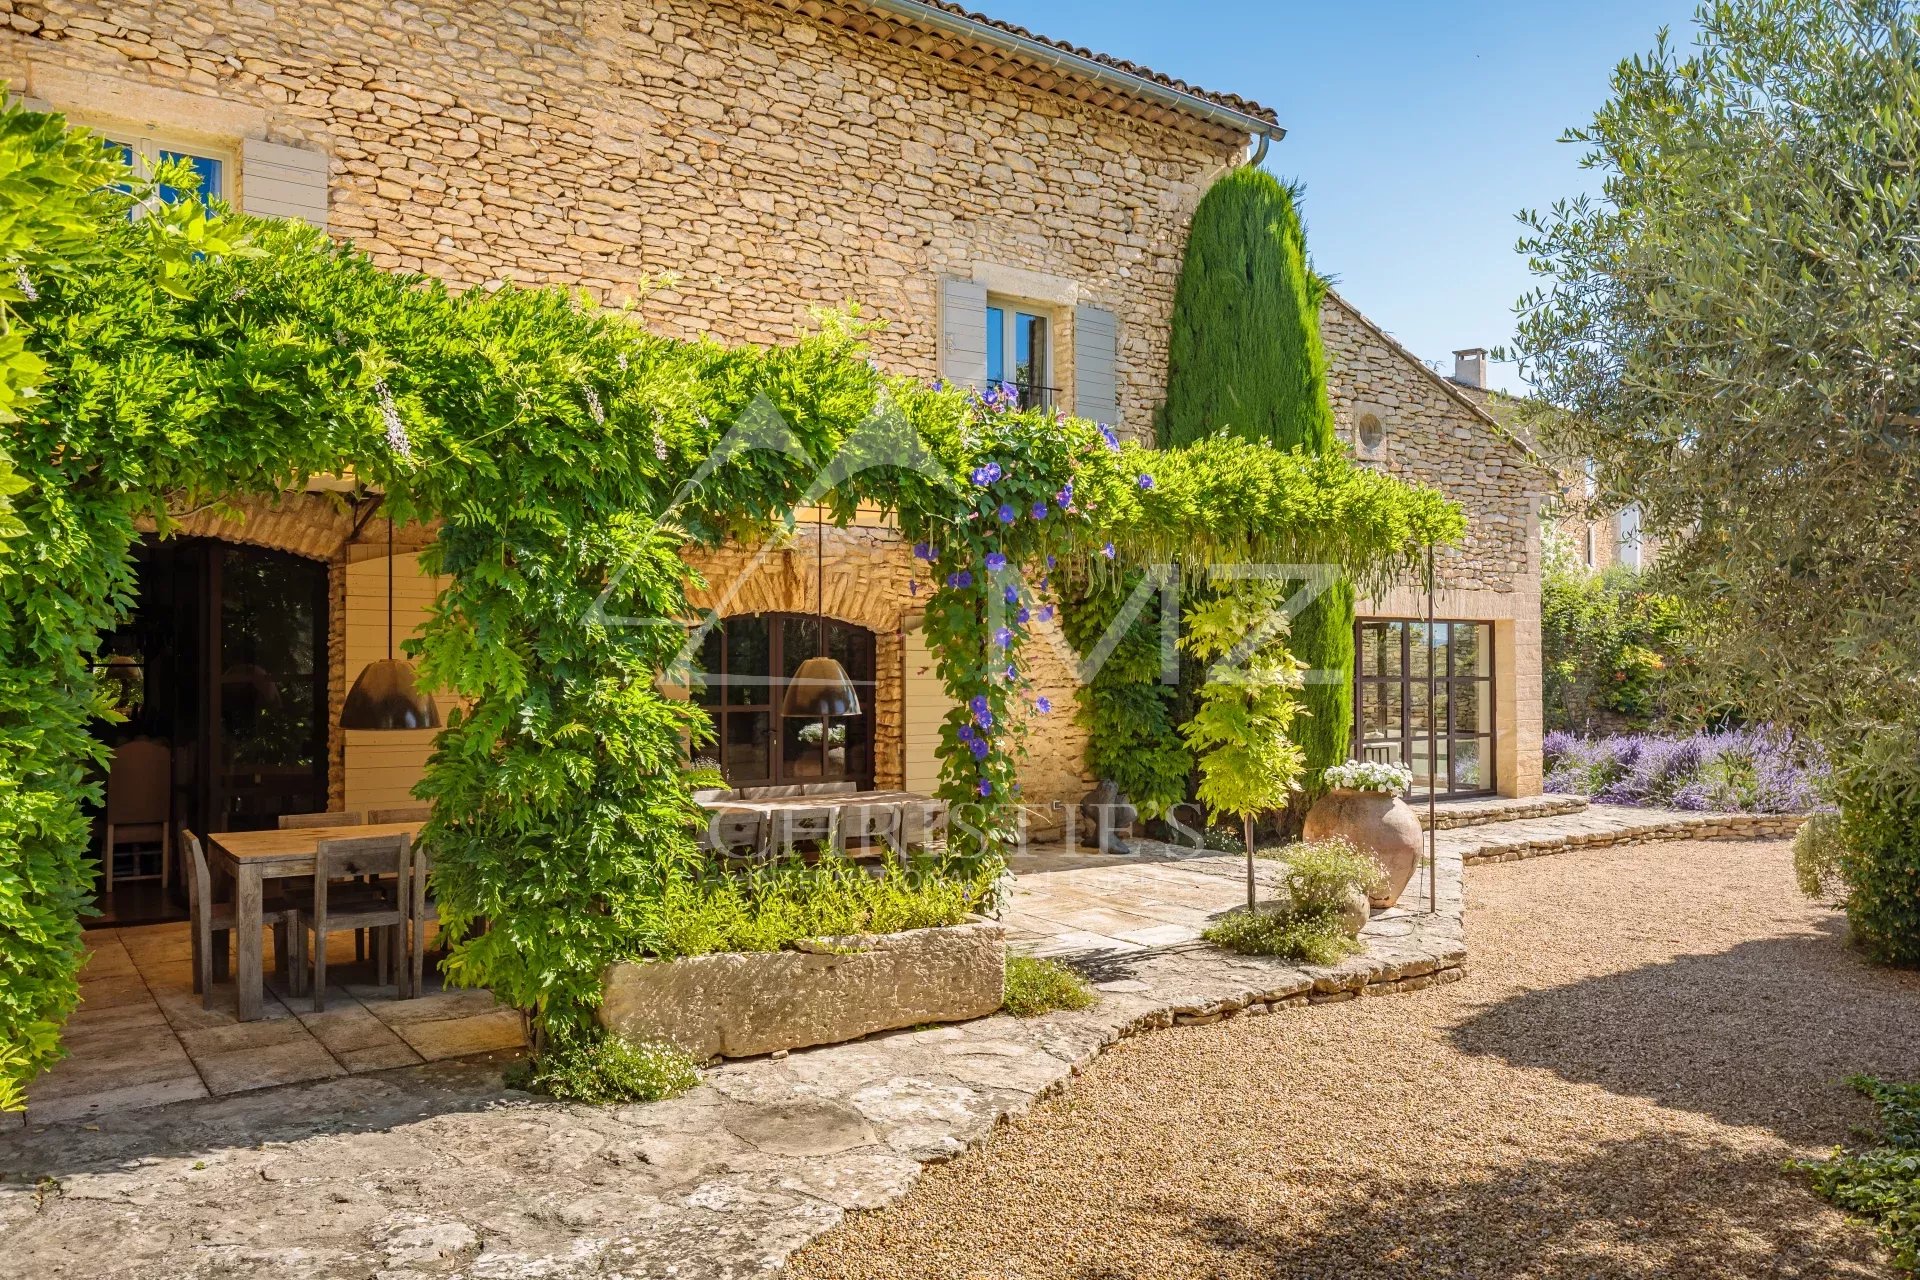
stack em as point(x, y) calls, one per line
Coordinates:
point(1644, 1035)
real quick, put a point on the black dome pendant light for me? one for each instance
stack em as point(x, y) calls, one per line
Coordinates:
point(820, 688)
point(384, 695)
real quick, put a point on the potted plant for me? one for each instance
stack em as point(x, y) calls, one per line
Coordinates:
point(1363, 805)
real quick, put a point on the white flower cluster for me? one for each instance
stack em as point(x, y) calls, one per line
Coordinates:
point(396, 429)
point(1357, 775)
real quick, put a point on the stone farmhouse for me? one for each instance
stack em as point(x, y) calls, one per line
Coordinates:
point(1013, 208)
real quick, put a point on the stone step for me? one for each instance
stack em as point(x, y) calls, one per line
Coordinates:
point(1482, 810)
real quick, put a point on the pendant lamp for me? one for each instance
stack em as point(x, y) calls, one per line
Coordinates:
point(384, 695)
point(821, 689)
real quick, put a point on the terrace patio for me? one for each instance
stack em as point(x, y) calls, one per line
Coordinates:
point(142, 1038)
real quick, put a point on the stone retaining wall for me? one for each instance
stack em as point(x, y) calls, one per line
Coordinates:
point(1449, 815)
point(1698, 826)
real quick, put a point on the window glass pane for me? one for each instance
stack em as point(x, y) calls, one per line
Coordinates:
point(749, 738)
point(798, 641)
point(996, 345)
point(802, 747)
point(1472, 707)
point(1469, 757)
point(706, 677)
point(1472, 649)
point(852, 647)
point(1442, 642)
point(1030, 350)
point(748, 656)
point(207, 169)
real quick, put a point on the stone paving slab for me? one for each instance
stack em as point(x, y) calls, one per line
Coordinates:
point(438, 1170)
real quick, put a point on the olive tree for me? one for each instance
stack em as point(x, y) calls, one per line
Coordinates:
point(1733, 325)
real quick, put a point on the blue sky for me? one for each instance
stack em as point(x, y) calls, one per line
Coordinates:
point(1419, 129)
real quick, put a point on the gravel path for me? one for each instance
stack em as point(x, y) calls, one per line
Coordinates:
point(1644, 1035)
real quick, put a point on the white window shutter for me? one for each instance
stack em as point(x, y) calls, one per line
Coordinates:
point(1096, 382)
point(283, 182)
point(963, 333)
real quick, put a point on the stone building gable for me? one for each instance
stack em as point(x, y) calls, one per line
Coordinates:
point(1396, 413)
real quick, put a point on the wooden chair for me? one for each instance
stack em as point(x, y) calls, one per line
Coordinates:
point(139, 808)
point(737, 835)
point(868, 825)
point(380, 908)
point(301, 821)
point(210, 917)
point(788, 829)
point(422, 910)
point(404, 813)
point(922, 822)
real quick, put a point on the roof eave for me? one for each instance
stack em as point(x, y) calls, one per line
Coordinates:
point(1077, 65)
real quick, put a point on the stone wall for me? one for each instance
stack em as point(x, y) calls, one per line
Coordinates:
point(767, 164)
point(870, 577)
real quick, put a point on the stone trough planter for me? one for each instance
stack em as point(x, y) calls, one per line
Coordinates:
point(743, 1004)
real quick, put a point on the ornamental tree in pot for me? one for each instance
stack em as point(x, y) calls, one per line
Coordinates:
point(1363, 806)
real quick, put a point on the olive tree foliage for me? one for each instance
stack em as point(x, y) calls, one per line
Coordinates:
point(1733, 325)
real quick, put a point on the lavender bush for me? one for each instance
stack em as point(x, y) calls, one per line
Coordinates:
point(1737, 771)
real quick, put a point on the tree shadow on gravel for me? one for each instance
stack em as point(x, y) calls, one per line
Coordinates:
point(1763, 1034)
point(1627, 1210)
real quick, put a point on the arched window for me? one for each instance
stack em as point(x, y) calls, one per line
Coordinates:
point(748, 661)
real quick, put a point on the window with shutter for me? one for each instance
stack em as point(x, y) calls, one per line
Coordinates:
point(1096, 348)
point(963, 333)
point(278, 181)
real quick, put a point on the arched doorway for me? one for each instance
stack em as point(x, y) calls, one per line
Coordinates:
point(221, 673)
point(748, 660)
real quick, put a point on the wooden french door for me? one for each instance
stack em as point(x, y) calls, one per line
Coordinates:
point(224, 662)
point(747, 662)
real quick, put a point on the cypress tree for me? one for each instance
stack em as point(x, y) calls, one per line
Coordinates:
point(1245, 353)
point(1246, 357)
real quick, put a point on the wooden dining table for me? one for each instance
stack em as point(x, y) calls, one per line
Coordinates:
point(250, 859)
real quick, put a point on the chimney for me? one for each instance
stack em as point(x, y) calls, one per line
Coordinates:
point(1470, 367)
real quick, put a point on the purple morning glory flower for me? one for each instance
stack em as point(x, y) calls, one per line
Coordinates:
point(1146, 482)
point(1065, 496)
point(978, 748)
point(1046, 614)
point(939, 384)
point(979, 703)
point(964, 733)
point(913, 588)
point(984, 719)
point(982, 477)
point(1106, 432)
point(1013, 595)
point(1040, 510)
point(1050, 562)
point(1013, 672)
point(985, 788)
point(1107, 551)
point(964, 578)
point(1044, 705)
point(1023, 617)
point(1003, 637)
point(995, 561)
point(921, 551)
point(1006, 513)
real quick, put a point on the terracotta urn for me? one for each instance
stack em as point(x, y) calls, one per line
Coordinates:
point(1377, 823)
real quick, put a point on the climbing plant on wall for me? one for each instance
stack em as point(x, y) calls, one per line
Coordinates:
point(568, 457)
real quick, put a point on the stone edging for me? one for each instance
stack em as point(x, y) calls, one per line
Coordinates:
point(1661, 825)
point(1453, 814)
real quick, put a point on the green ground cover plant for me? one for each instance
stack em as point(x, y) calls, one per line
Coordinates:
point(771, 907)
point(600, 1069)
point(1881, 1183)
point(1037, 986)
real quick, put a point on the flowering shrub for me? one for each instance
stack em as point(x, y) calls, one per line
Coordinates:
point(1737, 771)
point(1368, 775)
